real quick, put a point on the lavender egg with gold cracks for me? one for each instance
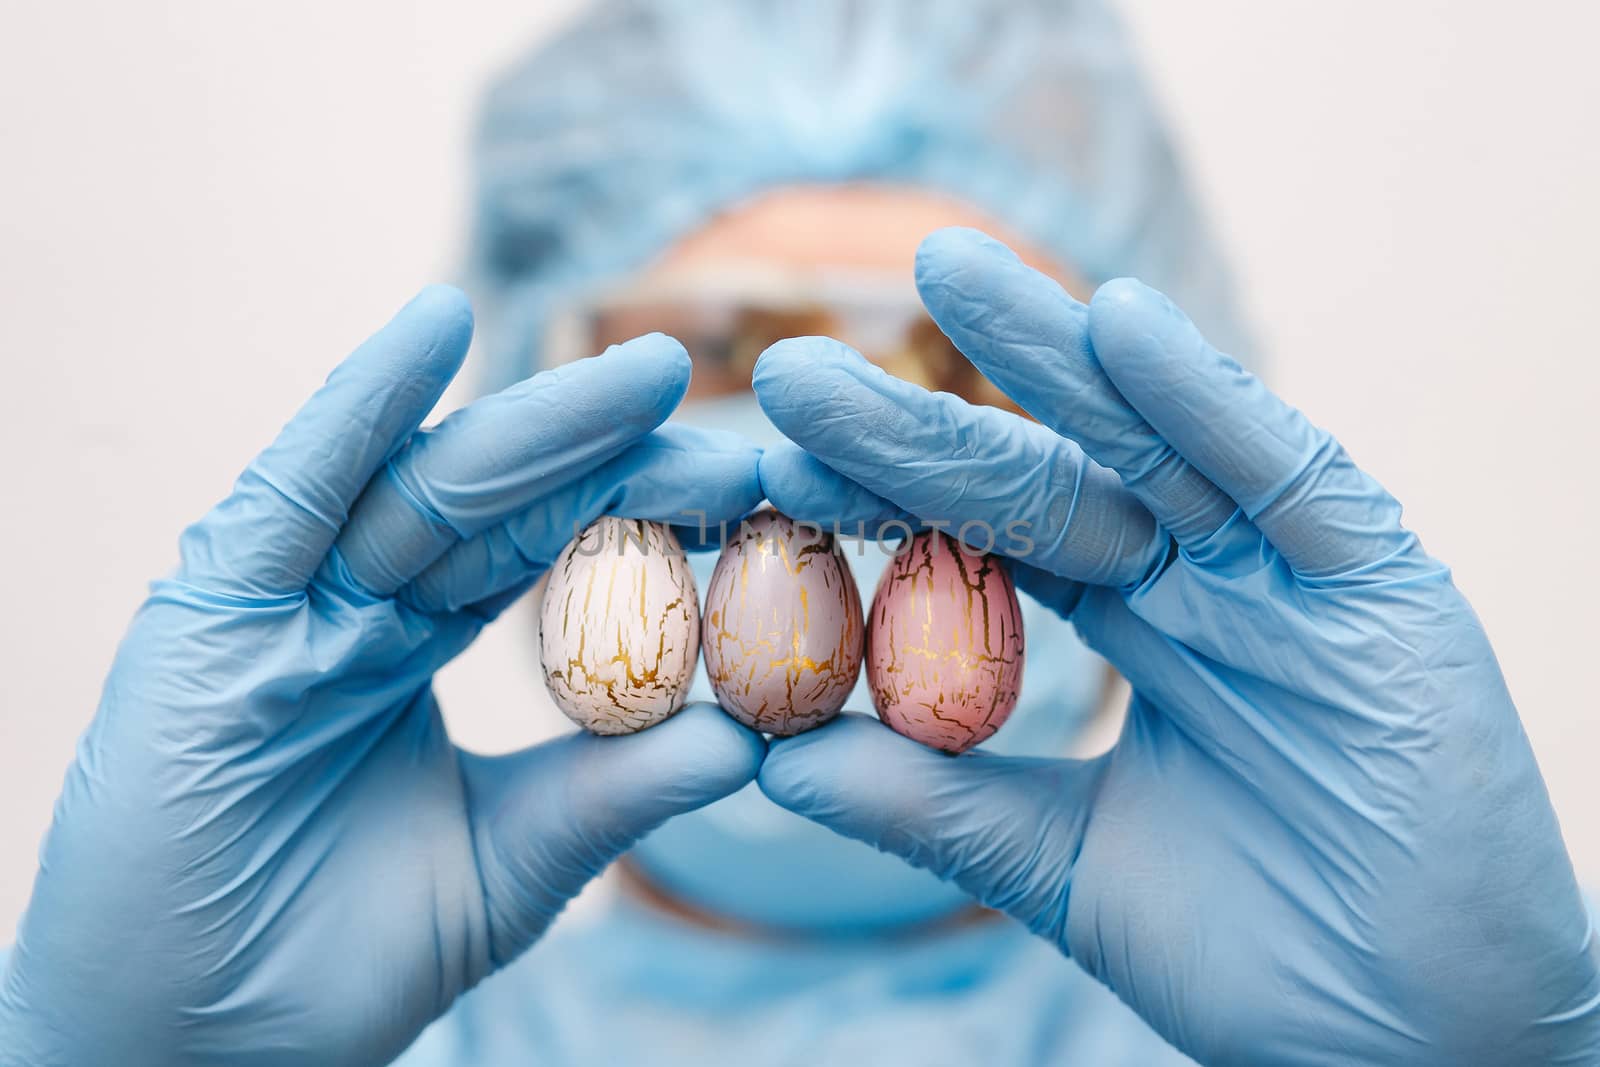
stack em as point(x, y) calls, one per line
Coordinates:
point(944, 644)
point(782, 631)
point(619, 628)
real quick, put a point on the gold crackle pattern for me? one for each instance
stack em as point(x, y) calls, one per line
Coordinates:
point(619, 629)
point(783, 628)
point(944, 644)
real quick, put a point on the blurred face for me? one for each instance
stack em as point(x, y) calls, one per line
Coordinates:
point(729, 290)
point(834, 260)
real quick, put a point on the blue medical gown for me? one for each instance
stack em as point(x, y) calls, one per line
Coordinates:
point(629, 985)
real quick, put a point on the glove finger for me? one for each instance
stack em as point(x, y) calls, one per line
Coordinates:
point(500, 454)
point(491, 608)
point(1029, 337)
point(548, 819)
point(1293, 480)
point(808, 490)
point(673, 474)
point(271, 533)
point(1005, 829)
point(1000, 482)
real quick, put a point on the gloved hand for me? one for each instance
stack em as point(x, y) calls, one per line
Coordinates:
point(1321, 837)
point(267, 850)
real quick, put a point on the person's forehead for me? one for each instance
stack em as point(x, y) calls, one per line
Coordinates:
point(857, 227)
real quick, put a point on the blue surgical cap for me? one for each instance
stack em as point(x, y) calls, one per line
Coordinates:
point(645, 118)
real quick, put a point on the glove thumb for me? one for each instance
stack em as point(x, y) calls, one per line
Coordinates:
point(548, 819)
point(1005, 829)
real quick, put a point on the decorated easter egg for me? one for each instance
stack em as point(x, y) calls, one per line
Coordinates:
point(782, 627)
point(944, 644)
point(619, 629)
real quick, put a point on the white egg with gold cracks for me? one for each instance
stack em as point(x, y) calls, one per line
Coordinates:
point(619, 629)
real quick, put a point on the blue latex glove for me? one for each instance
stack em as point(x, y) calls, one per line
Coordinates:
point(267, 850)
point(1321, 837)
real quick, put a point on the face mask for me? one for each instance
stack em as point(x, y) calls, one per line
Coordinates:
point(748, 859)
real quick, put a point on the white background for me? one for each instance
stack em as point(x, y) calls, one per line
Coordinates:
point(203, 205)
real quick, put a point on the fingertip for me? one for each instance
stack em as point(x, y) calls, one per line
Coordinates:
point(434, 327)
point(656, 365)
point(1126, 317)
point(791, 773)
point(793, 478)
point(682, 763)
point(825, 396)
point(722, 754)
point(723, 462)
point(810, 773)
point(954, 265)
point(656, 345)
point(794, 373)
point(1122, 296)
point(803, 487)
point(952, 246)
point(738, 491)
point(443, 302)
point(670, 351)
point(723, 468)
point(859, 778)
point(448, 313)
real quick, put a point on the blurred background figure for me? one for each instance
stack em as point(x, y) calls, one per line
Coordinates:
point(732, 174)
